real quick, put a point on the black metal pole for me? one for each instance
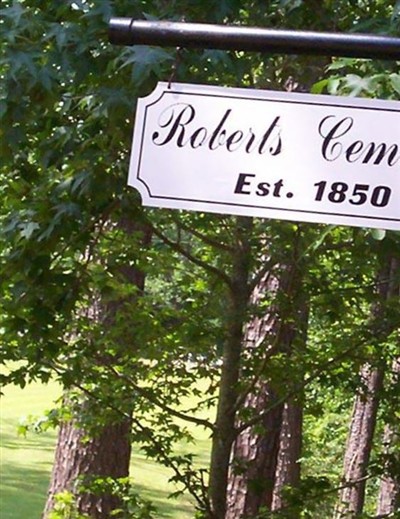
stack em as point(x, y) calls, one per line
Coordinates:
point(126, 31)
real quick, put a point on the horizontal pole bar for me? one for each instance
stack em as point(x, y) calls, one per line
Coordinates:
point(126, 31)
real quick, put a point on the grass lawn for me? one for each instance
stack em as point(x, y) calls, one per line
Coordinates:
point(26, 462)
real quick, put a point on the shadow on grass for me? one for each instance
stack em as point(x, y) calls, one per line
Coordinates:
point(23, 491)
point(25, 476)
point(14, 441)
point(166, 507)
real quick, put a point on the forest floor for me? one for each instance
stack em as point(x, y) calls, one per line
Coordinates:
point(26, 461)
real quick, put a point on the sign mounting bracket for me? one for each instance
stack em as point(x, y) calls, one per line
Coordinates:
point(127, 31)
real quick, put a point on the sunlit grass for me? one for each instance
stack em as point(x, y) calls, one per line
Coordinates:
point(25, 461)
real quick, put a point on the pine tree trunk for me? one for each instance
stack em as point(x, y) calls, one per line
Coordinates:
point(359, 444)
point(255, 456)
point(225, 421)
point(255, 451)
point(77, 458)
point(363, 420)
point(389, 491)
point(83, 455)
point(290, 446)
point(288, 470)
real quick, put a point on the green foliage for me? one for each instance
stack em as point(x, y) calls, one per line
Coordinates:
point(65, 507)
point(132, 505)
point(312, 499)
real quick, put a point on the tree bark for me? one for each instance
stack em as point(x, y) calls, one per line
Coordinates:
point(226, 413)
point(78, 459)
point(288, 470)
point(254, 459)
point(363, 420)
point(389, 491)
point(359, 443)
point(82, 455)
point(290, 446)
point(255, 451)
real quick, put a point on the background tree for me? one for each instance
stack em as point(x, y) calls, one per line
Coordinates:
point(389, 490)
point(363, 421)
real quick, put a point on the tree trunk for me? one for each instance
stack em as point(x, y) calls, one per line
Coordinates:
point(254, 459)
point(363, 420)
point(78, 457)
point(225, 420)
point(82, 455)
point(359, 443)
point(288, 470)
point(389, 491)
point(255, 451)
point(290, 446)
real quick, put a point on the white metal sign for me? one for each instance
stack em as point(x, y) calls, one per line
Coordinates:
point(278, 155)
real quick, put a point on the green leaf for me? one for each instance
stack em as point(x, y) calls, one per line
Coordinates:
point(334, 85)
point(395, 82)
point(320, 86)
point(357, 84)
point(27, 229)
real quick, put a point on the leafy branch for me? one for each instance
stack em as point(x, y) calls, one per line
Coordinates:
point(149, 395)
point(177, 247)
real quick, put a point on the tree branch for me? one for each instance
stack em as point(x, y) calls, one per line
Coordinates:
point(351, 483)
point(294, 391)
point(200, 263)
point(206, 239)
point(146, 431)
point(146, 393)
